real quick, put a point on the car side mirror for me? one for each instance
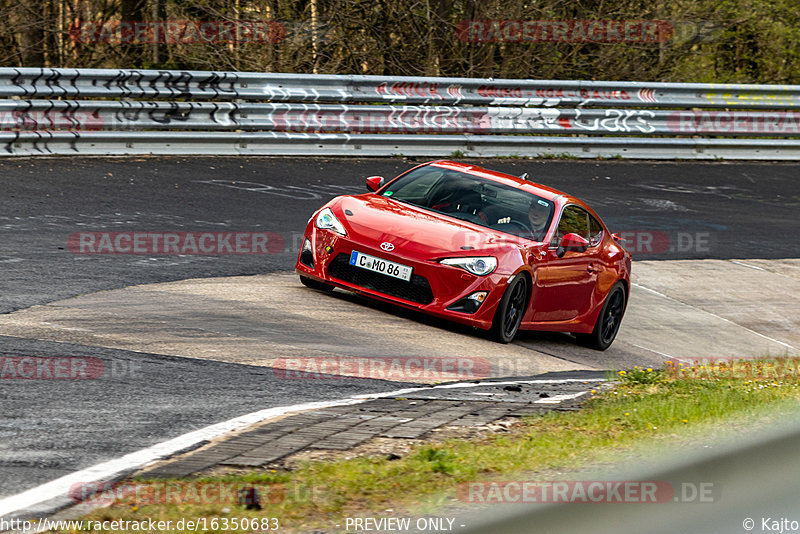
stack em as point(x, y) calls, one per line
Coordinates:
point(374, 183)
point(572, 242)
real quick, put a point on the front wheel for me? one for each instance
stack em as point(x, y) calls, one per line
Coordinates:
point(313, 284)
point(607, 325)
point(509, 312)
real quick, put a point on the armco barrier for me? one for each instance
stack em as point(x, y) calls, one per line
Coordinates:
point(53, 115)
point(117, 112)
point(729, 469)
point(202, 85)
point(304, 144)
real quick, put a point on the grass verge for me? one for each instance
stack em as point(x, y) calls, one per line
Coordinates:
point(645, 409)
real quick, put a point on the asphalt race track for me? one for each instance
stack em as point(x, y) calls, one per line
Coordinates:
point(709, 210)
point(671, 211)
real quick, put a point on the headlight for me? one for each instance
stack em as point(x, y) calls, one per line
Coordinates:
point(479, 266)
point(326, 220)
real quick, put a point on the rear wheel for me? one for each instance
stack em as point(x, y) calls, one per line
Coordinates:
point(509, 312)
point(607, 325)
point(313, 284)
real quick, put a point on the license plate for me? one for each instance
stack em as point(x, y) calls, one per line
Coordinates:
point(378, 265)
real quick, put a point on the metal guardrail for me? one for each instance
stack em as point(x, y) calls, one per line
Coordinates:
point(202, 85)
point(303, 144)
point(752, 484)
point(297, 117)
point(94, 111)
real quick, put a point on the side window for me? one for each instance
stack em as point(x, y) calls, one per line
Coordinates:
point(574, 220)
point(595, 232)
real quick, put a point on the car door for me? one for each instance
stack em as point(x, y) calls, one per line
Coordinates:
point(565, 281)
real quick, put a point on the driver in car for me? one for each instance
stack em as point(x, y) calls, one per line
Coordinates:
point(538, 213)
point(535, 226)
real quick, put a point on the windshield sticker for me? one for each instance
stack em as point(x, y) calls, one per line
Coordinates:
point(543, 203)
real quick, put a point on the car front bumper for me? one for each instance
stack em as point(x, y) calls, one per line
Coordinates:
point(433, 287)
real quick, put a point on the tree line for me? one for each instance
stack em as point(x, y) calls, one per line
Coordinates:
point(733, 41)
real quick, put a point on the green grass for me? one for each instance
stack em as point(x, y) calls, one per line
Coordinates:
point(646, 409)
point(560, 155)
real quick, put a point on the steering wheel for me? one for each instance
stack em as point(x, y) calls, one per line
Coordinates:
point(470, 217)
point(525, 228)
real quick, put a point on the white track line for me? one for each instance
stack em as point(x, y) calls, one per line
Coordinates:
point(664, 354)
point(558, 398)
point(119, 467)
point(788, 346)
point(743, 264)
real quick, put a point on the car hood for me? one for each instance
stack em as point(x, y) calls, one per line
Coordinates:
point(415, 231)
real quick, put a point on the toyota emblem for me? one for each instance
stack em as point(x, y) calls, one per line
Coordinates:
point(388, 247)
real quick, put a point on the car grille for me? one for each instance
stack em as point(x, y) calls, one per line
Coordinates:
point(417, 290)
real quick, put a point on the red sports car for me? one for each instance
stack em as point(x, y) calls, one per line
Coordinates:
point(474, 246)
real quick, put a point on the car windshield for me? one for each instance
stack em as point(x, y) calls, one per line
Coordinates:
point(474, 199)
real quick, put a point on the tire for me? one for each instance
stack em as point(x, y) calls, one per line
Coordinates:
point(607, 325)
point(313, 284)
point(509, 312)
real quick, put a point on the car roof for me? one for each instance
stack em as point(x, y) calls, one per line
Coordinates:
point(548, 193)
